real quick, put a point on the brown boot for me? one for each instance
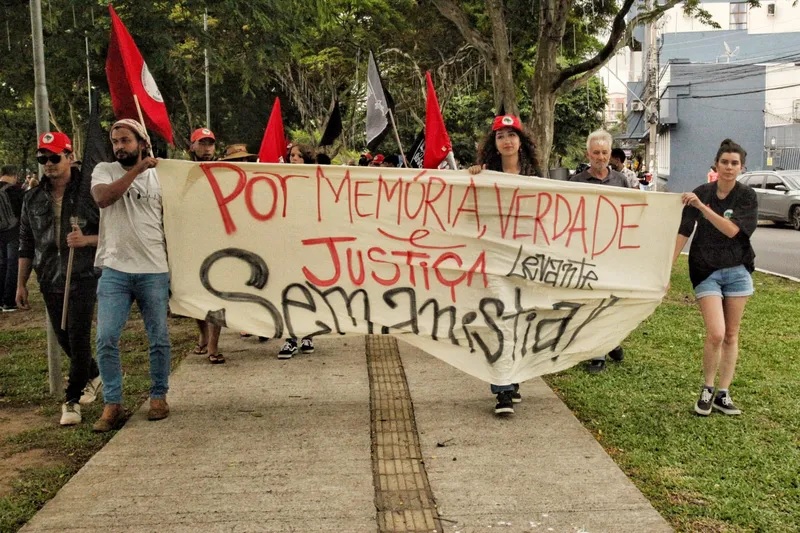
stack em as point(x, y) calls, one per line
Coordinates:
point(110, 419)
point(159, 409)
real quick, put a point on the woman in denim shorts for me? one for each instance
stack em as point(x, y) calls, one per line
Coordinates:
point(721, 261)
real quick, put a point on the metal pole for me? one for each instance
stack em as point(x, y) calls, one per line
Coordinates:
point(40, 85)
point(42, 125)
point(652, 108)
point(208, 89)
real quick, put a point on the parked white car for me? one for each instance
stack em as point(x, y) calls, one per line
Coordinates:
point(778, 193)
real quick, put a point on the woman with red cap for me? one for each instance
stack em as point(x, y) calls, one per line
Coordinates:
point(507, 148)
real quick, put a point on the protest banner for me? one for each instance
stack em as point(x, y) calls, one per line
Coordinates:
point(504, 277)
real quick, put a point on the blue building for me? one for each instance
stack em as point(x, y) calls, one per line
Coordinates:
point(740, 82)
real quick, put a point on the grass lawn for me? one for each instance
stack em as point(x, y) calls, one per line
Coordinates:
point(61, 452)
point(709, 474)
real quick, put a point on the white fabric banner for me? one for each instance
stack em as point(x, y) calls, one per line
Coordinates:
point(501, 276)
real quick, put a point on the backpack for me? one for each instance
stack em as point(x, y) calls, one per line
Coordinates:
point(8, 219)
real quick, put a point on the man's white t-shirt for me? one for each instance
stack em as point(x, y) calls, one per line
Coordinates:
point(131, 237)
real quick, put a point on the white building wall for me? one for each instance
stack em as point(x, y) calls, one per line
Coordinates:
point(785, 19)
point(676, 21)
point(615, 72)
point(783, 102)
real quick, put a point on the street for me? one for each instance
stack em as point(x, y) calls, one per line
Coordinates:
point(777, 249)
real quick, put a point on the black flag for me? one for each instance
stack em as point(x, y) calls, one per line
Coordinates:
point(333, 128)
point(96, 149)
point(418, 151)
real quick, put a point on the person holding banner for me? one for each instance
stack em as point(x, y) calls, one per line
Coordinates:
point(723, 215)
point(599, 153)
point(202, 148)
point(299, 154)
point(57, 216)
point(508, 148)
point(132, 253)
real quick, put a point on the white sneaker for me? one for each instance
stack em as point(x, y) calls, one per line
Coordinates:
point(70, 414)
point(91, 390)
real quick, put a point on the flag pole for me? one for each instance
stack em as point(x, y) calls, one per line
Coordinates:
point(397, 138)
point(141, 121)
point(451, 160)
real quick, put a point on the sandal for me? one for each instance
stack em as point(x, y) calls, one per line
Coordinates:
point(216, 358)
point(200, 349)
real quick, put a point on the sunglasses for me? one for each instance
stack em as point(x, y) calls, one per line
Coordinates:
point(55, 158)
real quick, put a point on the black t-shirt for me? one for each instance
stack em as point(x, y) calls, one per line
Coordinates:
point(711, 249)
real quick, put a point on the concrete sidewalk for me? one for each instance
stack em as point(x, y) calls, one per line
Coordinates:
point(331, 442)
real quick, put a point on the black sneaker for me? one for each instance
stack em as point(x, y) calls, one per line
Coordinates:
point(703, 405)
point(505, 403)
point(516, 397)
point(307, 345)
point(724, 404)
point(288, 349)
point(596, 366)
point(617, 354)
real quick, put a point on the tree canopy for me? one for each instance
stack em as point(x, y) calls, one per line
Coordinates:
point(306, 52)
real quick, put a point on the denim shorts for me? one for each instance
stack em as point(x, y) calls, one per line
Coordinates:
point(726, 282)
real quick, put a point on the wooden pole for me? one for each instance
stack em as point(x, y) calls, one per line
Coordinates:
point(141, 121)
point(397, 138)
point(66, 289)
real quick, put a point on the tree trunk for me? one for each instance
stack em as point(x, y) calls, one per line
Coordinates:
point(496, 54)
point(544, 83)
point(505, 92)
point(541, 124)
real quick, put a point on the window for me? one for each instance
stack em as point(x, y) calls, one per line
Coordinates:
point(739, 15)
point(772, 182)
point(754, 181)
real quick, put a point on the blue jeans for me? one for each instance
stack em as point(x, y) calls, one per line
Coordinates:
point(116, 292)
point(497, 389)
point(725, 283)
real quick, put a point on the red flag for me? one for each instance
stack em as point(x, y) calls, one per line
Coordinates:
point(437, 141)
point(128, 75)
point(273, 145)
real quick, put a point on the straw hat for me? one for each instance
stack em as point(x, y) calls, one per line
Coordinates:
point(238, 152)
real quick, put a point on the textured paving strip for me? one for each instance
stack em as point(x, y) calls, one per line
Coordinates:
point(403, 496)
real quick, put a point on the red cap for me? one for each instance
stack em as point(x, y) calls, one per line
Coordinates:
point(55, 141)
point(506, 121)
point(378, 159)
point(202, 133)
